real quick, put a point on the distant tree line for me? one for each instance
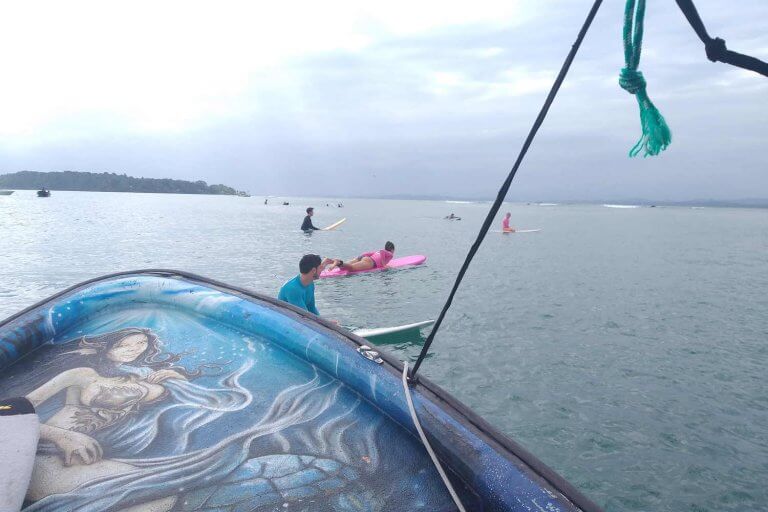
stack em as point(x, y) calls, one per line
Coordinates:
point(109, 182)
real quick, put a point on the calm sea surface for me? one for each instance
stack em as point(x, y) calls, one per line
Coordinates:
point(626, 348)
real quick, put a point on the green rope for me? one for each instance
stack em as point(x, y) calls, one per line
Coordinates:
point(656, 134)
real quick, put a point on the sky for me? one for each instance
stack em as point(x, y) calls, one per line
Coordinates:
point(349, 98)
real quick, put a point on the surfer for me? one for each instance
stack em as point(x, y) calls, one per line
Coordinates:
point(367, 260)
point(505, 224)
point(300, 291)
point(452, 217)
point(307, 224)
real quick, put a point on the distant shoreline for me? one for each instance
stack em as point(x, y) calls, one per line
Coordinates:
point(708, 203)
point(644, 203)
point(127, 191)
point(75, 181)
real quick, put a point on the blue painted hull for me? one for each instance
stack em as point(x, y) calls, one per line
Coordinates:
point(173, 392)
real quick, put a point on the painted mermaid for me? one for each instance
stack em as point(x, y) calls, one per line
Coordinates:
point(120, 418)
point(95, 401)
point(117, 399)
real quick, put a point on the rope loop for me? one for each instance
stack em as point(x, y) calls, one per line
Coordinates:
point(631, 80)
point(715, 49)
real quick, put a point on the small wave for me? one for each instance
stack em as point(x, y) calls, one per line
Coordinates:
point(621, 206)
point(459, 202)
point(546, 204)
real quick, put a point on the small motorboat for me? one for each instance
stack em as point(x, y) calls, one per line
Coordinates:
point(183, 393)
point(44, 193)
point(6, 192)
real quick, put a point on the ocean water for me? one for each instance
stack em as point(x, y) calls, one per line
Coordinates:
point(625, 347)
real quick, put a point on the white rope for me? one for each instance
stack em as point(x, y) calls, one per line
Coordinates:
point(436, 462)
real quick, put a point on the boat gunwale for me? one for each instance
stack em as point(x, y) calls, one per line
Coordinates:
point(460, 412)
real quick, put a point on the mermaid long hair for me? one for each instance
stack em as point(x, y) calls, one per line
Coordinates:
point(44, 363)
point(152, 357)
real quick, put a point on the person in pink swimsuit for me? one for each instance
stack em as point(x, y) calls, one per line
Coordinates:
point(367, 260)
point(505, 224)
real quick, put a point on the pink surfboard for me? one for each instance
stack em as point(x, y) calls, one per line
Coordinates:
point(405, 261)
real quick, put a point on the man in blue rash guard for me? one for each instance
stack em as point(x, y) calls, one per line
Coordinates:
point(300, 291)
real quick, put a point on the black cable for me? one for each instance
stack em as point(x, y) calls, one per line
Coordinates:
point(505, 186)
point(715, 47)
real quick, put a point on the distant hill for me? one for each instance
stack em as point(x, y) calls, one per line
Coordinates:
point(109, 182)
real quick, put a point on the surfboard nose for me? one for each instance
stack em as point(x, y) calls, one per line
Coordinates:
point(20, 429)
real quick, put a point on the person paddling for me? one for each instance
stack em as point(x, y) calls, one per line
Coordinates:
point(307, 224)
point(367, 260)
point(505, 224)
point(300, 291)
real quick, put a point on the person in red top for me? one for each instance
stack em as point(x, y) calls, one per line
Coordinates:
point(367, 260)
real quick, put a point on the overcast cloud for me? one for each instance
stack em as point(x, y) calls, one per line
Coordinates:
point(397, 97)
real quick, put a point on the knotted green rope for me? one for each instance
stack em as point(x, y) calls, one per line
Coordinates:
point(656, 134)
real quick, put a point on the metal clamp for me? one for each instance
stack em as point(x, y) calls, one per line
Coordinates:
point(368, 353)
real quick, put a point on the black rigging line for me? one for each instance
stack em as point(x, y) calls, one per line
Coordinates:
point(715, 47)
point(505, 186)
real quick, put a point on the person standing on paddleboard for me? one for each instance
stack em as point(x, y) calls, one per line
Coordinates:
point(367, 260)
point(300, 291)
point(307, 224)
point(505, 224)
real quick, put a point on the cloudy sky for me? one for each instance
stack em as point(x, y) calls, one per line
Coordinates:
point(400, 97)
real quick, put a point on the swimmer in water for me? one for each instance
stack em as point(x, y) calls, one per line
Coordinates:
point(307, 224)
point(367, 260)
point(505, 224)
point(300, 291)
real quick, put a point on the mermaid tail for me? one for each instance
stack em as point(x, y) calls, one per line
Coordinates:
point(273, 481)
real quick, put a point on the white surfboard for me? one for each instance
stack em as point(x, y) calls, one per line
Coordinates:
point(20, 429)
point(370, 333)
point(335, 225)
point(516, 231)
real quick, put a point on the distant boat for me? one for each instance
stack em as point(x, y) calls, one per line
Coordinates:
point(44, 193)
point(6, 192)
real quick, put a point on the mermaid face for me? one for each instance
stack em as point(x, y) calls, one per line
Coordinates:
point(129, 348)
